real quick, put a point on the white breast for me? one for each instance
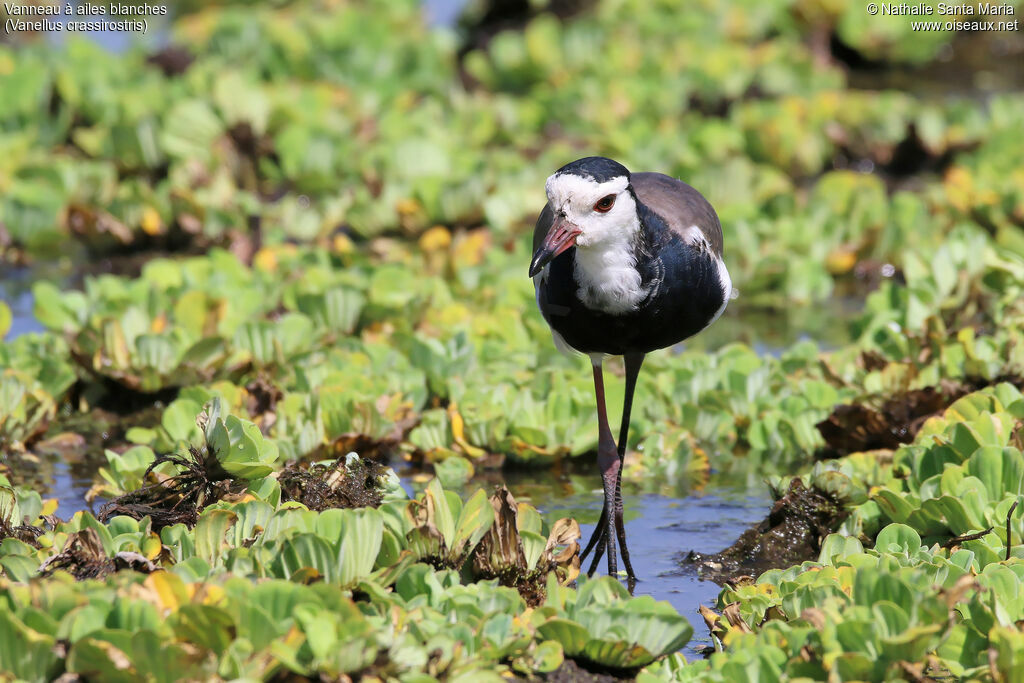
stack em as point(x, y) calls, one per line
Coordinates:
point(608, 278)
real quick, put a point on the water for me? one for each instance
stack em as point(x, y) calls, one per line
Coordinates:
point(443, 12)
point(662, 529)
point(16, 292)
point(770, 332)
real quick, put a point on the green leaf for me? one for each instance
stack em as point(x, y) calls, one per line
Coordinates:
point(361, 538)
point(475, 521)
point(898, 538)
point(533, 548)
point(10, 510)
point(56, 310)
point(306, 556)
point(454, 471)
point(570, 635)
point(336, 309)
point(5, 319)
point(18, 567)
point(835, 547)
point(208, 626)
point(1001, 470)
point(209, 534)
point(241, 449)
point(894, 505)
point(443, 519)
point(179, 419)
point(97, 657)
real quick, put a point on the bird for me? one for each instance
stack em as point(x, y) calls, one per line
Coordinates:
point(624, 264)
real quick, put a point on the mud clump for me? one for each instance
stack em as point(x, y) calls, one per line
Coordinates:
point(858, 427)
point(84, 558)
point(572, 672)
point(792, 533)
point(176, 499)
point(334, 485)
point(25, 533)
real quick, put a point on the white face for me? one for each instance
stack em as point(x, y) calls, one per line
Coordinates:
point(579, 199)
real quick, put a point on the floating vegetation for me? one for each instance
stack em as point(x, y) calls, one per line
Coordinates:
point(11, 518)
point(176, 499)
point(516, 553)
point(235, 452)
point(370, 552)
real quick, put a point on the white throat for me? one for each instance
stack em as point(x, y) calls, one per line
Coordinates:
point(607, 275)
point(605, 265)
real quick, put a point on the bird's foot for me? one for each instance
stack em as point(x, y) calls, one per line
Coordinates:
point(602, 539)
point(620, 533)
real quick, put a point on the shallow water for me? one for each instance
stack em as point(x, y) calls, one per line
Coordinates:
point(16, 292)
point(660, 530)
point(770, 332)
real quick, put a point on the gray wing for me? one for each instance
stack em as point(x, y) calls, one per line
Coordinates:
point(678, 204)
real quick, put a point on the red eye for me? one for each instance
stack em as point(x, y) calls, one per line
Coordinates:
point(605, 204)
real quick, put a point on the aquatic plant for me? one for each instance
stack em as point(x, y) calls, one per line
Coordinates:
point(934, 592)
point(598, 624)
point(331, 581)
point(34, 377)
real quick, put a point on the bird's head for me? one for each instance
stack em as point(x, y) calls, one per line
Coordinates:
point(593, 205)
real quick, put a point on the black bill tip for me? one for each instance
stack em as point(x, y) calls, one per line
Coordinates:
point(540, 259)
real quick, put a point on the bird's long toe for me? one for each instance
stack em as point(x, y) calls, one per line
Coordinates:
point(595, 538)
point(601, 534)
point(620, 533)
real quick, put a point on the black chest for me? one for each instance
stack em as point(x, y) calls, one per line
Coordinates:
point(684, 293)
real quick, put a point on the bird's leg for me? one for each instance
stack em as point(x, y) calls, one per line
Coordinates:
point(633, 363)
point(609, 462)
